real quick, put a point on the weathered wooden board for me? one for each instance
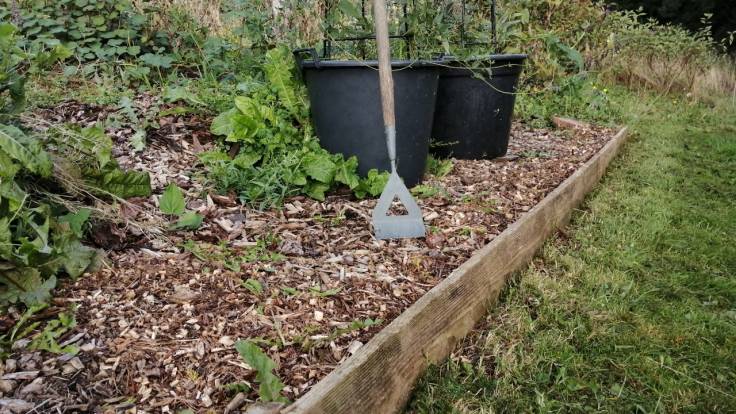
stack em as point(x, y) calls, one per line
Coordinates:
point(380, 376)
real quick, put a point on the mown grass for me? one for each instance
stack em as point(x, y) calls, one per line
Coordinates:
point(634, 310)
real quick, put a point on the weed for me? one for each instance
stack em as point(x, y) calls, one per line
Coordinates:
point(91, 30)
point(337, 220)
point(233, 259)
point(288, 291)
point(237, 387)
point(270, 385)
point(429, 190)
point(535, 154)
point(465, 231)
point(355, 325)
point(438, 167)
point(253, 286)
point(172, 202)
point(576, 97)
point(324, 293)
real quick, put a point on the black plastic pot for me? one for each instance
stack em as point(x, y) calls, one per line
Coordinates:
point(346, 110)
point(473, 115)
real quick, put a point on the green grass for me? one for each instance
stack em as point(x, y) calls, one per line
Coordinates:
point(635, 311)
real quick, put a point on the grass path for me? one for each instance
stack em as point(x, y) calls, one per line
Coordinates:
point(634, 310)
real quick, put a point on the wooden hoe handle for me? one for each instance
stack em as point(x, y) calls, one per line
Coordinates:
point(384, 63)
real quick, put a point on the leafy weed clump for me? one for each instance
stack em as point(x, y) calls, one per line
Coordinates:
point(47, 180)
point(277, 152)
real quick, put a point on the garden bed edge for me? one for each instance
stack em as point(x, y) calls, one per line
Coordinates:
point(380, 376)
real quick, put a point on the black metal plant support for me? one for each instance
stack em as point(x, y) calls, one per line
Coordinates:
point(327, 41)
point(327, 46)
point(494, 39)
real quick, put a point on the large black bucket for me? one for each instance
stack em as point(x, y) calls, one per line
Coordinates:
point(475, 106)
point(346, 110)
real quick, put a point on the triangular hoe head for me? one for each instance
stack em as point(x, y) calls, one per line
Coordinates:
point(392, 227)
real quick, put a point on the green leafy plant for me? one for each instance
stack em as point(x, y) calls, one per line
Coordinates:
point(40, 235)
point(89, 29)
point(324, 293)
point(232, 258)
point(236, 387)
point(439, 167)
point(47, 339)
point(270, 385)
point(428, 190)
point(373, 184)
point(355, 325)
point(12, 91)
point(278, 153)
point(172, 200)
point(172, 203)
point(34, 244)
point(253, 286)
point(289, 291)
point(190, 220)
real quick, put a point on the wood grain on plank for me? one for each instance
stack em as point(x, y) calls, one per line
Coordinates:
point(380, 376)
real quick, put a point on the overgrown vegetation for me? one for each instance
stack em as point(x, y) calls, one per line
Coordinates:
point(278, 152)
point(40, 231)
point(89, 29)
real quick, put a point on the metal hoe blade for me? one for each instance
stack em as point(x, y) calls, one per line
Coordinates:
point(389, 227)
point(403, 226)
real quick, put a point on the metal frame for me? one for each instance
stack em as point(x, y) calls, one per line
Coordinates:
point(327, 42)
point(494, 38)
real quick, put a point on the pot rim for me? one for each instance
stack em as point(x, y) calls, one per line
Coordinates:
point(373, 64)
point(499, 58)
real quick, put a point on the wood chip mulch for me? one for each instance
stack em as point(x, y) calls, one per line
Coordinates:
point(156, 327)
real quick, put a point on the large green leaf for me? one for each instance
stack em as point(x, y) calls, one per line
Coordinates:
point(180, 93)
point(27, 286)
point(270, 385)
point(346, 172)
point(6, 247)
point(76, 221)
point(172, 200)
point(8, 168)
point(223, 123)
point(76, 258)
point(188, 221)
point(246, 160)
point(373, 184)
point(157, 61)
point(24, 149)
point(120, 183)
point(316, 190)
point(278, 72)
point(11, 191)
point(319, 166)
point(97, 142)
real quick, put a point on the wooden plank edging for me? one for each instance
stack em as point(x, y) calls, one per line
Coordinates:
point(380, 376)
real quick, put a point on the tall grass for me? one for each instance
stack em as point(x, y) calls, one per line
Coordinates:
point(205, 12)
point(718, 79)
